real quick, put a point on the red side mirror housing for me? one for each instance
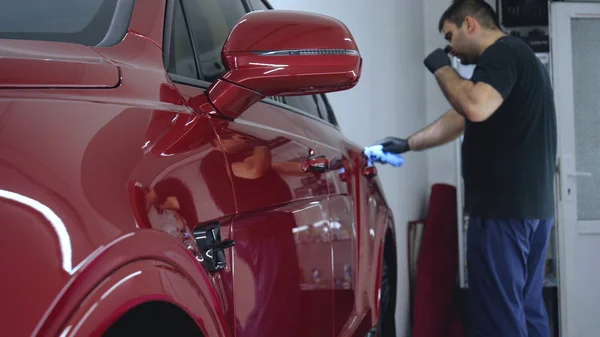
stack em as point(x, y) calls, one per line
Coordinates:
point(284, 53)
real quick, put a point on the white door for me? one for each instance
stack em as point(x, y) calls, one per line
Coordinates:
point(575, 33)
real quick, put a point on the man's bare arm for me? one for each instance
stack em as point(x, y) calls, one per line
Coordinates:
point(445, 129)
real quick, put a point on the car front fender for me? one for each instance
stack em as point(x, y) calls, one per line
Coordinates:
point(139, 267)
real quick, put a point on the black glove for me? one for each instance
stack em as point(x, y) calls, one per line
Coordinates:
point(437, 59)
point(394, 145)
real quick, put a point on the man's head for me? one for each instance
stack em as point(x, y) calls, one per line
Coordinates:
point(467, 24)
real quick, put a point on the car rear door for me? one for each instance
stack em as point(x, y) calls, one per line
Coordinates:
point(282, 279)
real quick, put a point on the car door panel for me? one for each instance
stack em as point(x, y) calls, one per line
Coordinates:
point(342, 215)
point(282, 250)
point(344, 260)
point(282, 267)
point(281, 273)
point(268, 139)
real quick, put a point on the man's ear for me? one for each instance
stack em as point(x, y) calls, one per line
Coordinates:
point(471, 24)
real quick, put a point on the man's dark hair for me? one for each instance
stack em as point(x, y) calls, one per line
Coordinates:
point(478, 9)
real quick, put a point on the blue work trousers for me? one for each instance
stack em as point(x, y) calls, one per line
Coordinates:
point(506, 261)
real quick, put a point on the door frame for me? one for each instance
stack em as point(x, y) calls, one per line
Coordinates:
point(568, 227)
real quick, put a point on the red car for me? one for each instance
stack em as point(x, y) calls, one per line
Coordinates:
point(173, 168)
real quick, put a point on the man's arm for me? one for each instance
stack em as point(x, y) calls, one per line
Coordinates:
point(492, 81)
point(445, 129)
point(475, 101)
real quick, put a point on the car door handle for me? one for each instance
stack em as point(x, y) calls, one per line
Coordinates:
point(369, 171)
point(317, 164)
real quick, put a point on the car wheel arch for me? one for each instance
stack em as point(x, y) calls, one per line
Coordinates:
point(137, 261)
point(152, 316)
point(386, 252)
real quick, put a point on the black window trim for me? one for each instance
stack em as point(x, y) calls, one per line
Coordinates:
point(168, 31)
point(298, 111)
point(332, 119)
point(247, 6)
point(200, 83)
point(204, 85)
point(191, 32)
point(266, 3)
point(314, 99)
point(193, 82)
point(192, 40)
point(321, 113)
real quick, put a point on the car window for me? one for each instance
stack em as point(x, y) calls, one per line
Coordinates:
point(258, 5)
point(321, 106)
point(180, 58)
point(325, 109)
point(75, 21)
point(211, 22)
point(305, 103)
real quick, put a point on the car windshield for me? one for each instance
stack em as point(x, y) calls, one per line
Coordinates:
point(78, 21)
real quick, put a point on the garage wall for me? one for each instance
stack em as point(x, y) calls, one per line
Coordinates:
point(442, 160)
point(388, 100)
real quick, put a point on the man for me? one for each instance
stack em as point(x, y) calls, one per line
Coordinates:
point(506, 112)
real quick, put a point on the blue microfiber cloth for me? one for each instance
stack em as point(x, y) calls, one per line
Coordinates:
point(375, 154)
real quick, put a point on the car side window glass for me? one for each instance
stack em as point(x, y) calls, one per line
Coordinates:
point(305, 103)
point(180, 59)
point(211, 22)
point(73, 21)
point(322, 107)
point(326, 110)
point(258, 5)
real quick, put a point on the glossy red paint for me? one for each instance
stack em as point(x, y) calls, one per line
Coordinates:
point(351, 208)
point(304, 53)
point(148, 19)
point(288, 30)
point(282, 258)
point(101, 190)
point(231, 100)
point(289, 75)
point(35, 64)
point(127, 272)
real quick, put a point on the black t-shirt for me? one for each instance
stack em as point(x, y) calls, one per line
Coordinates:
point(509, 160)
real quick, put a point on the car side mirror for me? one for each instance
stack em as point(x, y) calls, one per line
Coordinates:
point(284, 53)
